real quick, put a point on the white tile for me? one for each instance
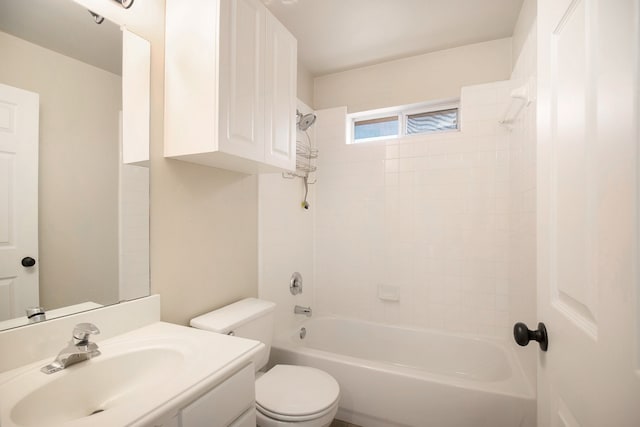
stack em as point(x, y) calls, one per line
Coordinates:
point(436, 213)
point(406, 149)
point(405, 165)
point(502, 302)
point(392, 152)
point(391, 165)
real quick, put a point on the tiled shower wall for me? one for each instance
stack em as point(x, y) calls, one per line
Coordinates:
point(422, 221)
point(285, 245)
point(285, 240)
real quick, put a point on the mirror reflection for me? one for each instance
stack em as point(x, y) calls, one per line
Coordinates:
point(73, 218)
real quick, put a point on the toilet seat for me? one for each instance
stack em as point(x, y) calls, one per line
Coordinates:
point(296, 393)
point(287, 418)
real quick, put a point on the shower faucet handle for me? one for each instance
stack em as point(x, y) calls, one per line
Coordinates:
point(295, 283)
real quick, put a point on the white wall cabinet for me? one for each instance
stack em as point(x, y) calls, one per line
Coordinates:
point(230, 404)
point(230, 86)
point(281, 70)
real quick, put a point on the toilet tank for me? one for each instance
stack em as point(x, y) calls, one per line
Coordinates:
point(248, 318)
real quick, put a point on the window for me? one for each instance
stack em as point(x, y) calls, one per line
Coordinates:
point(432, 121)
point(403, 121)
point(375, 128)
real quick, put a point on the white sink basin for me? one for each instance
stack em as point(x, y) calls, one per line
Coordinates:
point(139, 377)
point(96, 386)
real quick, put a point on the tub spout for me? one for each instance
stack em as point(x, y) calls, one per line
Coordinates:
point(302, 310)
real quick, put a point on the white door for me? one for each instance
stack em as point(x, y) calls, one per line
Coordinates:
point(588, 212)
point(18, 200)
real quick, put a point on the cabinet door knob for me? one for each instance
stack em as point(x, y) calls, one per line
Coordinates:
point(523, 335)
point(28, 261)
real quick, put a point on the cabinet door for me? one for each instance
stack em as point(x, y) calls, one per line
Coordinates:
point(248, 419)
point(242, 78)
point(224, 404)
point(280, 95)
point(191, 77)
point(173, 422)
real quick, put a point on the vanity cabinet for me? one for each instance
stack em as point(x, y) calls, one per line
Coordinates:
point(230, 404)
point(230, 86)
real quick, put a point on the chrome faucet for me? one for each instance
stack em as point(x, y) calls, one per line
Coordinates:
point(302, 310)
point(77, 350)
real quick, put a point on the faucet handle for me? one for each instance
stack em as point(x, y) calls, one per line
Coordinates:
point(82, 331)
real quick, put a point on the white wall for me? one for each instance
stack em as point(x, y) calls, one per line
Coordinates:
point(521, 33)
point(204, 221)
point(522, 236)
point(435, 75)
point(78, 167)
point(305, 85)
point(428, 215)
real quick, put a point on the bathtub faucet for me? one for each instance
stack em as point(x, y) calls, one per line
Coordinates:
point(302, 310)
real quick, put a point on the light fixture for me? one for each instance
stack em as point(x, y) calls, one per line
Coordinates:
point(125, 3)
point(96, 18)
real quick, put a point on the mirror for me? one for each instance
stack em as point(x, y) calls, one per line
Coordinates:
point(90, 210)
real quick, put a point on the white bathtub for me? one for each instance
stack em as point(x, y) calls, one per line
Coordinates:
point(392, 376)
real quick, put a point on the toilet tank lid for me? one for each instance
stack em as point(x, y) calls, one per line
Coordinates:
point(230, 317)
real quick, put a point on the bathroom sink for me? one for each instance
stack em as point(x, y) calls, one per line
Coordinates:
point(95, 386)
point(140, 377)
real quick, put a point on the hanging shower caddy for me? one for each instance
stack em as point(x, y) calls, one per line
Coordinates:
point(305, 155)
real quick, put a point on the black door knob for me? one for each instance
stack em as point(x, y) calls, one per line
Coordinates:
point(28, 261)
point(523, 335)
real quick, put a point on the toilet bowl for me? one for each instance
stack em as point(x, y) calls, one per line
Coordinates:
point(300, 395)
point(286, 395)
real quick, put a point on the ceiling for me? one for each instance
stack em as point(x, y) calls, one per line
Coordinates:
point(333, 35)
point(66, 28)
point(337, 35)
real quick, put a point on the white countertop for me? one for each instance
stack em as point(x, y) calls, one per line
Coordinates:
point(209, 359)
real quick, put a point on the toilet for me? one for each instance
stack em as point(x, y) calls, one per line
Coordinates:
point(286, 395)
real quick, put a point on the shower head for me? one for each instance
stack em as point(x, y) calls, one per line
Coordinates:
point(305, 120)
